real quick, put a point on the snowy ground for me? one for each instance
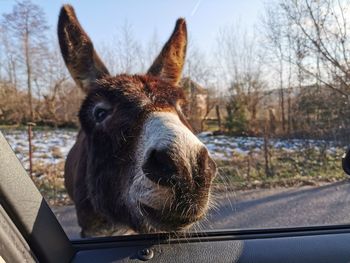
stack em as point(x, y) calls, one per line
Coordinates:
point(224, 147)
point(51, 147)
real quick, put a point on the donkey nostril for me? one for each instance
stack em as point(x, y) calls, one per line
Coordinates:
point(159, 166)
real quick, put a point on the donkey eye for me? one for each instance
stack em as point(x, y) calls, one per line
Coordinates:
point(100, 114)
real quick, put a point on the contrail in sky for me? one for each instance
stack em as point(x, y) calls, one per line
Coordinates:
point(195, 8)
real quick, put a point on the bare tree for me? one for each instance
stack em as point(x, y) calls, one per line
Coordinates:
point(274, 28)
point(26, 27)
point(152, 48)
point(310, 41)
point(9, 59)
point(124, 54)
point(54, 80)
point(197, 67)
point(128, 51)
point(240, 60)
point(320, 33)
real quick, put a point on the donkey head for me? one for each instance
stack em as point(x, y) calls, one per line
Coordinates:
point(145, 167)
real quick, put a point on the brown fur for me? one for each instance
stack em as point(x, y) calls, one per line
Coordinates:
point(77, 50)
point(169, 64)
point(101, 165)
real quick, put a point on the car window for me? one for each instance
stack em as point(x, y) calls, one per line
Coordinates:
point(237, 117)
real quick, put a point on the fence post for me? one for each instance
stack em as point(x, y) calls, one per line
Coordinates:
point(30, 134)
point(268, 170)
point(218, 116)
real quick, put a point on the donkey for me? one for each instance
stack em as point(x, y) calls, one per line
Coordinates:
point(136, 165)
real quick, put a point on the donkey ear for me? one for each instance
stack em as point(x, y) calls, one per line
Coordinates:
point(170, 62)
point(77, 50)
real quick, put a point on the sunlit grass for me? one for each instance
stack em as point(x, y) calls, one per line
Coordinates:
point(288, 168)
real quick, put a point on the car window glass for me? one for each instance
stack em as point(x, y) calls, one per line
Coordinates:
point(242, 124)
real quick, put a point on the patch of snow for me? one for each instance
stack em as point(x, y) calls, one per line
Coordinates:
point(52, 147)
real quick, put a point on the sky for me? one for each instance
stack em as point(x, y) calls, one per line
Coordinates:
point(101, 19)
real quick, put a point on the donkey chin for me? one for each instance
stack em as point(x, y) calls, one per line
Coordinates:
point(174, 172)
